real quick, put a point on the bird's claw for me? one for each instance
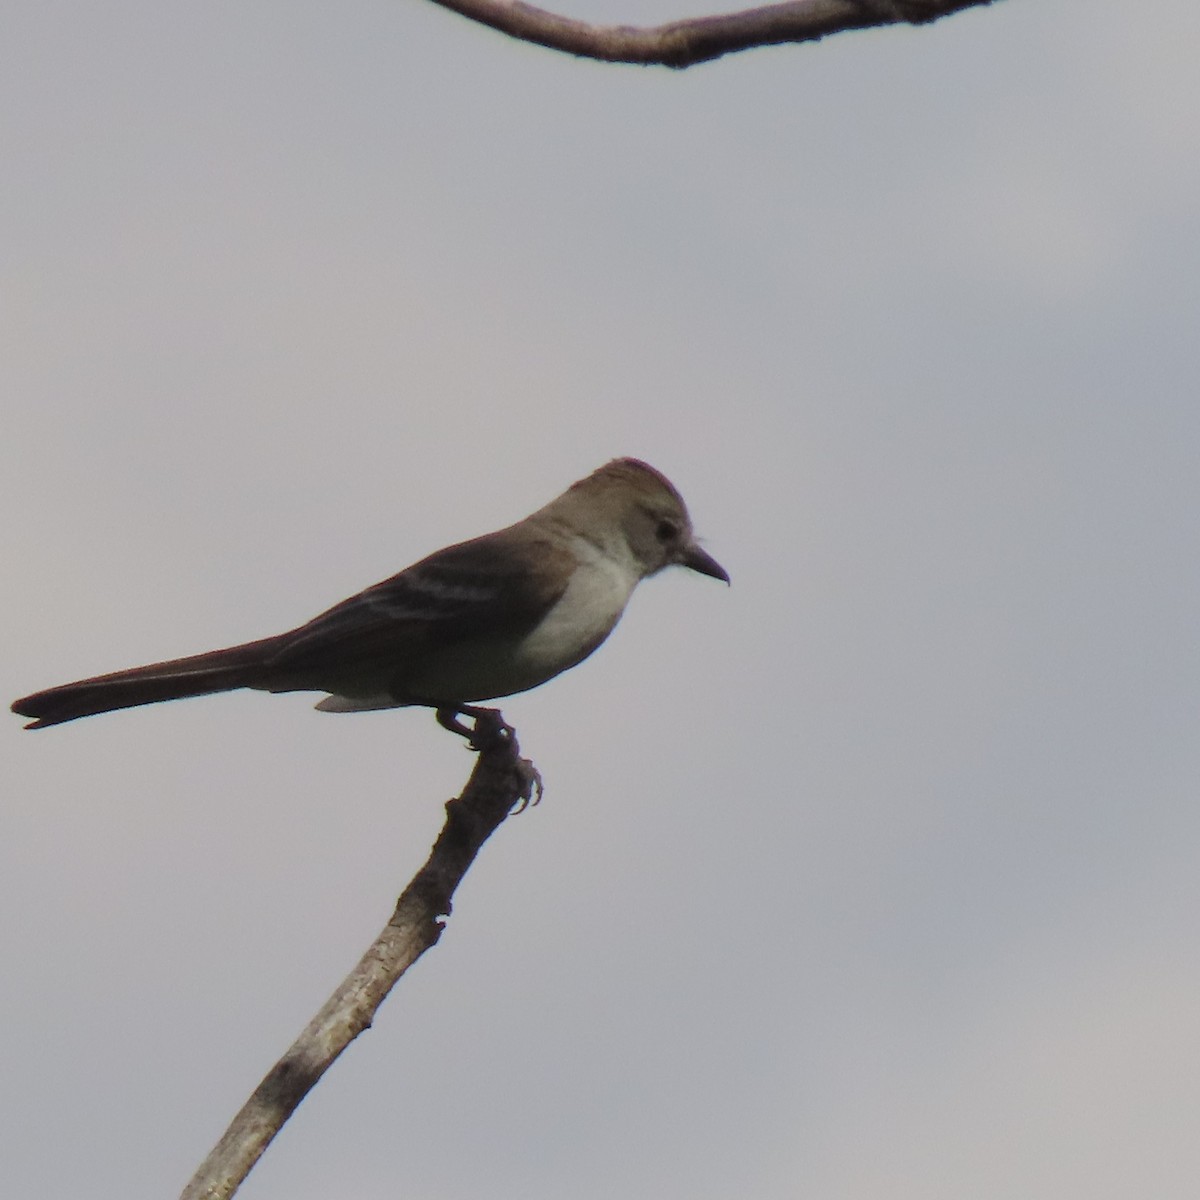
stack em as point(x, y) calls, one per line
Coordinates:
point(532, 788)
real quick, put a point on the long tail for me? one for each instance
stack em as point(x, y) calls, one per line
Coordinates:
point(198, 675)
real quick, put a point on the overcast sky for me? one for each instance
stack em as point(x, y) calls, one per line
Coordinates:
point(872, 876)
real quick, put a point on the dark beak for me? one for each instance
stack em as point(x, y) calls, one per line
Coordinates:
point(696, 559)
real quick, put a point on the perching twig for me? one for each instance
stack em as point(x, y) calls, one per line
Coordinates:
point(500, 782)
point(700, 39)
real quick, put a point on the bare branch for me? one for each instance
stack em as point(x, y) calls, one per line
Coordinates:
point(700, 39)
point(501, 780)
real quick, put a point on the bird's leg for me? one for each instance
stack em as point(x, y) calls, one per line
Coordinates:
point(489, 724)
point(490, 728)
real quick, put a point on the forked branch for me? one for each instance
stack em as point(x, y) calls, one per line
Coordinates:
point(700, 39)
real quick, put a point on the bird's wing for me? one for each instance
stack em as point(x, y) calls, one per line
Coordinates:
point(493, 587)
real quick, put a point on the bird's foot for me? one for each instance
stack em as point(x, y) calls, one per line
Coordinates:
point(490, 731)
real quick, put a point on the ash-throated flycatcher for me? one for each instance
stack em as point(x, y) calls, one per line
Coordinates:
point(482, 619)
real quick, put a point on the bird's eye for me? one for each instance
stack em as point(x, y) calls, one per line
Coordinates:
point(666, 531)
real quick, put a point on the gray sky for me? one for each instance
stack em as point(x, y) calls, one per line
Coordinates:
point(873, 875)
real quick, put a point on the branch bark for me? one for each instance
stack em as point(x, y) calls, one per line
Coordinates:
point(700, 39)
point(502, 782)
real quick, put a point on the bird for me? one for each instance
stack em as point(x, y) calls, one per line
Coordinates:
point(478, 620)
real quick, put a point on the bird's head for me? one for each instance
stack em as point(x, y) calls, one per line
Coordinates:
point(651, 515)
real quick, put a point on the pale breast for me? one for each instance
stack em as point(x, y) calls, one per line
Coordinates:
point(584, 615)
